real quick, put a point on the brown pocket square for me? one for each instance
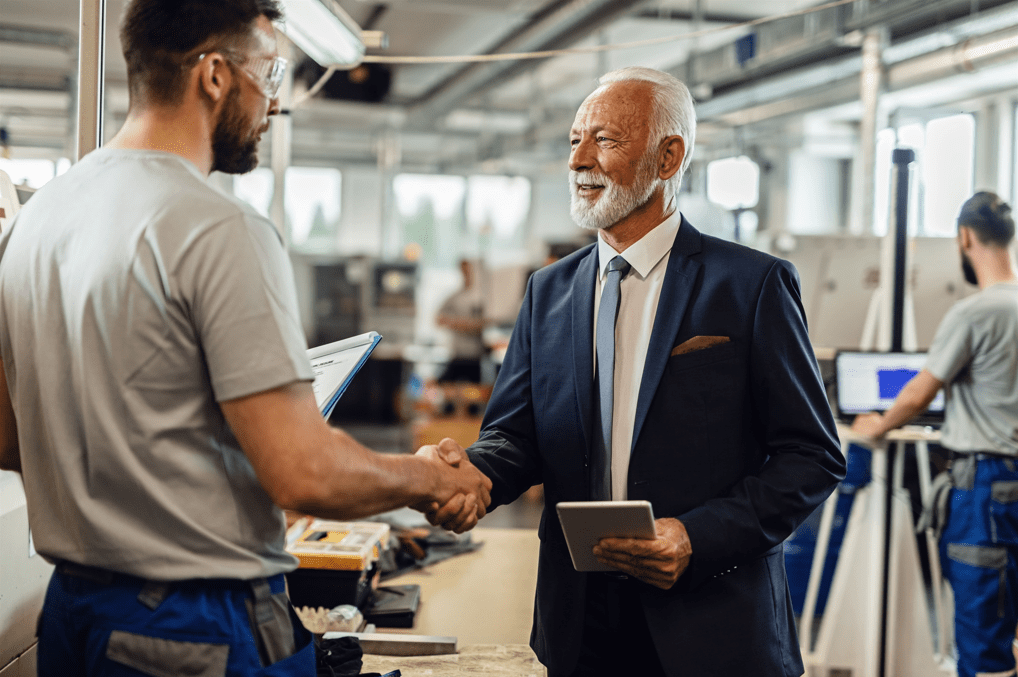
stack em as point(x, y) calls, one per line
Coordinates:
point(698, 343)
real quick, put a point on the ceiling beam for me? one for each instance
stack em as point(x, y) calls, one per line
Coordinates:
point(39, 37)
point(560, 25)
point(679, 15)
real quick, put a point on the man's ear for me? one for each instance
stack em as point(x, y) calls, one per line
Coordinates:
point(965, 237)
point(214, 77)
point(672, 153)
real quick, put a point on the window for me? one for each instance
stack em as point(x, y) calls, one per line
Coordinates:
point(255, 188)
point(497, 209)
point(941, 177)
point(444, 218)
point(882, 181)
point(497, 203)
point(31, 172)
point(312, 200)
point(429, 213)
point(733, 183)
point(947, 172)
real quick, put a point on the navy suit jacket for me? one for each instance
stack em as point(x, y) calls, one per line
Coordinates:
point(736, 440)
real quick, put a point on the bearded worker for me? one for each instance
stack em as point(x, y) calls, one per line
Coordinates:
point(974, 359)
point(664, 365)
point(155, 389)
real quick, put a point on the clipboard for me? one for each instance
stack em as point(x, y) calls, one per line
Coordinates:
point(584, 523)
point(334, 366)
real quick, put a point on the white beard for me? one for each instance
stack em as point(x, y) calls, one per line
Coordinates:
point(616, 202)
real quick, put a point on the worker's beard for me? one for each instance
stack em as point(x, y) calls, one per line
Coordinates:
point(968, 271)
point(232, 153)
point(616, 202)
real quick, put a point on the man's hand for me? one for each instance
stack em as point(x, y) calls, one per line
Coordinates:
point(869, 425)
point(659, 562)
point(465, 493)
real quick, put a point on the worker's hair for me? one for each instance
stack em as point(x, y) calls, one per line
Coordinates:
point(159, 37)
point(674, 114)
point(989, 217)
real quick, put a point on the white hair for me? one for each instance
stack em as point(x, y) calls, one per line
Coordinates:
point(674, 114)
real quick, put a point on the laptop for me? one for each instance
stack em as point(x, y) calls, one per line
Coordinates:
point(866, 382)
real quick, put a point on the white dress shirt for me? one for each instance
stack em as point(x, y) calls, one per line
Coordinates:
point(638, 298)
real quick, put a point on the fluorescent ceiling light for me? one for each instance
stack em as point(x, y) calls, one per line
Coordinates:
point(323, 31)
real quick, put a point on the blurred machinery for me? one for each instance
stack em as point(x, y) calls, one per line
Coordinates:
point(352, 295)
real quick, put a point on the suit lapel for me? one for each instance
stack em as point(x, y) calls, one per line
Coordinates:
point(583, 337)
point(676, 292)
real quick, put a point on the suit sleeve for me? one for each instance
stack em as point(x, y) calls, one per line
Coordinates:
point(793, 420)
point(506, 451)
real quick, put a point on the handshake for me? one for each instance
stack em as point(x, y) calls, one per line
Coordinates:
point(462, 494)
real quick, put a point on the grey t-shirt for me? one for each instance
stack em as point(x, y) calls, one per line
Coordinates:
point(134, 298)
point(975, 354)
point(466, 304)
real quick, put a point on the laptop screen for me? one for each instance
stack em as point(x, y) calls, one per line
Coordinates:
point(870, 381)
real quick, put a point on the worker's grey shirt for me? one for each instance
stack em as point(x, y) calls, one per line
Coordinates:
point(133, 298)
point(975, 354)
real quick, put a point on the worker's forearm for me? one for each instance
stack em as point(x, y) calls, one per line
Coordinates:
point(351, 481)
point(909, 404)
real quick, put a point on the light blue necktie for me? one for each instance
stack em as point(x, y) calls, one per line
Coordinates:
point(600, 470)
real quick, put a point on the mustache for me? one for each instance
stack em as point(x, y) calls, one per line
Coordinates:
point(576, 179)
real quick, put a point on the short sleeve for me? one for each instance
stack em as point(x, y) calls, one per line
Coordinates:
point(238, 284)
point(951, 350)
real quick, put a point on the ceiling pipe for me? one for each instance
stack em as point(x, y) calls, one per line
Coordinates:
point(834, 84)
point(568, 23)
point(38, 37)
point(971, 55)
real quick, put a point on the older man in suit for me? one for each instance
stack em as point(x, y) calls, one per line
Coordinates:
point(670, 366)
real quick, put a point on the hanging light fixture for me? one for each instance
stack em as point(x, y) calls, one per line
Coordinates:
point(323, 31)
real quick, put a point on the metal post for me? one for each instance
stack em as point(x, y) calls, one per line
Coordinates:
point(870, 85)
point(282, 147)
point(91, 75)
point(902, 159)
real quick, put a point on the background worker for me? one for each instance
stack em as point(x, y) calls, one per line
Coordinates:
point(463, 315)
point(154, 384)
point(974, 358)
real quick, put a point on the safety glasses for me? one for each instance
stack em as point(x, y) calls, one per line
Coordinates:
point(265, 72)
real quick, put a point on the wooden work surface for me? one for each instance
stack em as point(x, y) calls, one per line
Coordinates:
point(516, 660)
point(908, 433)
point(481, 597)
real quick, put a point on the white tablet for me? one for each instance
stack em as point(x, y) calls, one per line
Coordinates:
point(584, 523)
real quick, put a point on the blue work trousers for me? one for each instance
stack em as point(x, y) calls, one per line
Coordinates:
point(97, 623)
point(979, 552)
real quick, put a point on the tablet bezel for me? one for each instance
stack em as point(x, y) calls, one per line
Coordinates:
point(584, 523)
